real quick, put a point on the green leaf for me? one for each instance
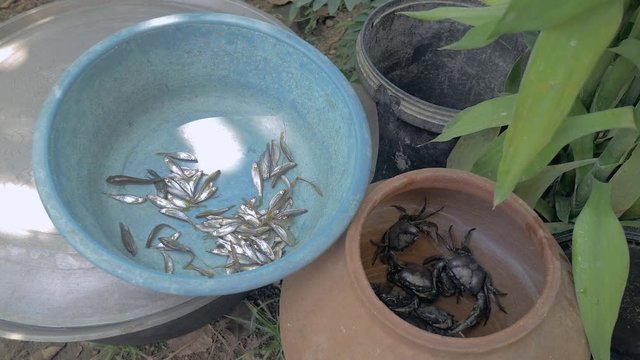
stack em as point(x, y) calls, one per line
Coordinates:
point(632, 94)
point(625, 187)
point(590, 86)
point(473, 16)
point(550, 85)
point(633, 212)
point(378, 3)
point(546, 211)
point(487, 165)
point(563, 207)
point(514, 78)
point(582, 148)
point(333, 6)
point(558, 227)
point(469, 148)
point(600, 268)
point(492, 113)
point(531, 190)
point(526, 15)
point(317, 4)
point(614, 84)
point(350, 4)
point(575, 127)
point(476, 37)
point(630, 49)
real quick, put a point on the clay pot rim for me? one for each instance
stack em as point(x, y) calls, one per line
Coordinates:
point(476, 186)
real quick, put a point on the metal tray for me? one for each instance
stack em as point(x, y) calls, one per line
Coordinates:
point(47, 291)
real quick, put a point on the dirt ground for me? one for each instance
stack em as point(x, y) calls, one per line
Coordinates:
point(240, 335)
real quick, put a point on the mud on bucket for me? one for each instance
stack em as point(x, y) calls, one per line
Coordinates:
point(419, 88)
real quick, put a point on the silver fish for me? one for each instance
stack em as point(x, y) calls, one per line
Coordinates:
point(168, 262)
point(214, 212)
point(178, 202)
point(275, 156)
point(265, 163)
point(224, 230)
point(211, 178)
point(222, 251)
point(127, 239)
point(205, 193)
point(155, 231)
point(160, 202)
point(202, 271)
point(127, 199)
point(285, 148)
point(263, 247)
point(178, 187)
point(189, 172)
point(172, 166)
point(192, 180)
point(179, 155)
point(257, 178)
point(276, 199)
point(282, 169)
point(290, 213)
point(176, 214)
point(280, 231)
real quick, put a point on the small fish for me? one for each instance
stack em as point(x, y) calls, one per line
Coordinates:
point(173, 167)
point(211, 178)
point(214, 212)
point(160, 202)
point(225, 230)
point(155, 231)
point(189, 172)
point(263, 247)
point(172, 243)
point(179, 202)
point(168, 262)
point(176, 214)
point(127, 239)
point(285, 148)
point(257, 178)
point(264, 163)
point(203, 272)
point(282, 169)
point(127, 199)
point(193, 180)
point(221, 250)
point(314, 186)
point(179, 155)
point(275, 156)
point(205, 193)
point(129, 180)
point(178, 187)
point(281, 232)
point(276, 199)
point(290, 213)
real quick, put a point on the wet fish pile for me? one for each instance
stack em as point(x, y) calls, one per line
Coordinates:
point(257, 234)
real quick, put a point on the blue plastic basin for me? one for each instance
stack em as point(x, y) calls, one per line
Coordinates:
point(221, 87)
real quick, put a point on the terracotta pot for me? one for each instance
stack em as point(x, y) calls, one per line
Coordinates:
point(329, 311)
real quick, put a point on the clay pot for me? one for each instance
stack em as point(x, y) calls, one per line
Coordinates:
point(329, 311)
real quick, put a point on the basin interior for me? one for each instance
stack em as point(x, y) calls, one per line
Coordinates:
point(220, 92)
point(500, 243)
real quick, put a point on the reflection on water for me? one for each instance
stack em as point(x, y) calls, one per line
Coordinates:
point(214, 142)
point(12, 56)
point(21, 211)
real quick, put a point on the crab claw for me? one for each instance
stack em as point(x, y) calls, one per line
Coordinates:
point(479, 311)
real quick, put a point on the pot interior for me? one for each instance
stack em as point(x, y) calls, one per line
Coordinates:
point(408, 53)
point(503, 244)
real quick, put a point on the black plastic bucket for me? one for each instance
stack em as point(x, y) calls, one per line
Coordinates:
point(419, 88)
point(625, 344)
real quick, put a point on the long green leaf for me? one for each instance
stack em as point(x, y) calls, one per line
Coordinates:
point(526, 15)
point(571, 129)
point(590, 86)
point(473, 16)
point(512, 83)
point(469, 148)
point(476, 37)
point(333, 6)
point(550, 85)
point(575, 127)
point(546, 211)
point(615, 83)
point(317, 4)
point(632, 94)
point(531, 190)
point(558, 227)
point(487, 114)
point(625, 187)
point(630, 49)
point(350, 4)
point(487, 164)
point(600, 268)
point(633, 212)
point(582, 148)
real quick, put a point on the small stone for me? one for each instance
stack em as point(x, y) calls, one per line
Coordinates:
point(329, 23)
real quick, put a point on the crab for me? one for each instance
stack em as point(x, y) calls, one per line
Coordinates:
point(460, 274)
point(414, 278)
point(404, 232)
point(395, 298)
